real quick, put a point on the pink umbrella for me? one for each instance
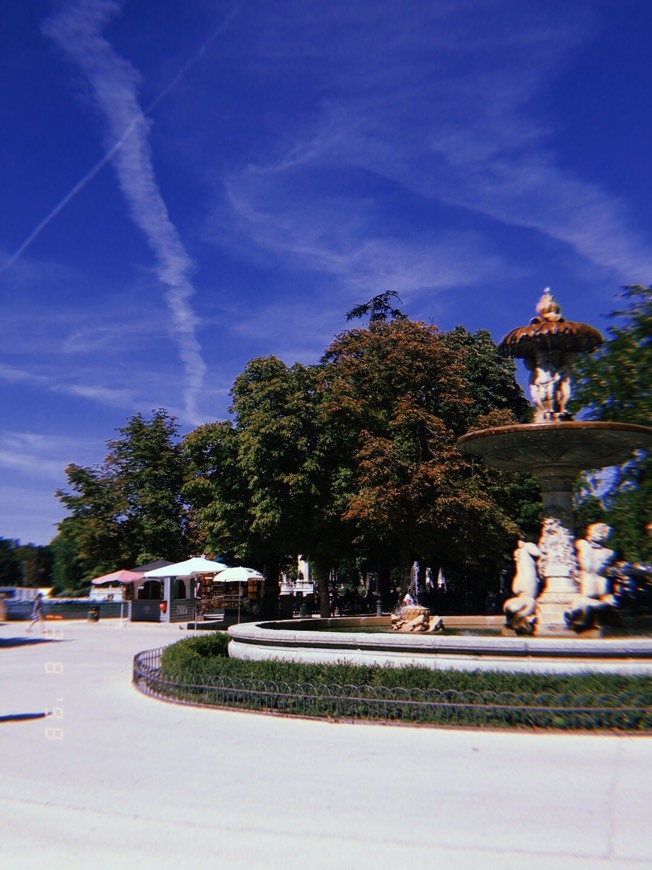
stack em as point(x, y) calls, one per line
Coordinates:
point(123, 576)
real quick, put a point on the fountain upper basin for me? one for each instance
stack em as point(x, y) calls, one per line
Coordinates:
point(574, 444)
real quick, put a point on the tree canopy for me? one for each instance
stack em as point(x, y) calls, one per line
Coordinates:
point(351, 461)
point(378, 308)
point(615, 384)
point(24, 564)
point(129, 510)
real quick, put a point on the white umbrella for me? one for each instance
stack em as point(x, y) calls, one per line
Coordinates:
point(239, 575)
point(189, 568)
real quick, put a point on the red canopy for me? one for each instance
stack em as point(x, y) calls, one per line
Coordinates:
point(123, 576)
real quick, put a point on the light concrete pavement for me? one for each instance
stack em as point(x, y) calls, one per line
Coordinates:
point(116, 779)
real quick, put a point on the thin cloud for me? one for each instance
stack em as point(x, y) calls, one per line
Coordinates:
point(343, 237)
point(105, 395)
point(459, 128)
point(37, 455)
point(27, 513)
point(77, 30)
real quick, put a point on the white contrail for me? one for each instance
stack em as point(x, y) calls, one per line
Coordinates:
point(81, 184)
point(106, 158)
point(77, 30)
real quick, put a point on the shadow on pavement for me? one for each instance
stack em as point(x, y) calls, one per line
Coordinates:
point(24, 641)
point(19, 717)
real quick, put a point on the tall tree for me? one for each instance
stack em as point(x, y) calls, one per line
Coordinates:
point(402, 390)
point(217, 492)
point(36, 562)
point(67, 571)
point(10, 567)
point(283, 452)
point(615, 383)
point(129, 510)
point(147, 467)
point(96, 526)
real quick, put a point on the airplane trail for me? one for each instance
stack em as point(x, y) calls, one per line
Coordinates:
point(108, 156)
point(77, 29)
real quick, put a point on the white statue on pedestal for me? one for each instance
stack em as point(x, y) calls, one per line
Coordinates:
point(594, 559)
point(551, 372)
point(550, 386)
point(520, 611)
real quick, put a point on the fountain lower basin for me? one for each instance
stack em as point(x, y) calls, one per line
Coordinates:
point(316, 641)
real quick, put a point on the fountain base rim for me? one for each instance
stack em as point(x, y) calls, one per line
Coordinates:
point(301, 640)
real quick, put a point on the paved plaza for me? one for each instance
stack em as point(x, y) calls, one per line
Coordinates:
point(116, 779)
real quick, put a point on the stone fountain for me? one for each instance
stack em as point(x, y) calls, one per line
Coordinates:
point(554, 449)
point(558, 582)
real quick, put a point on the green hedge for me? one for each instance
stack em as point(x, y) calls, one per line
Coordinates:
point(195, 658)
point(202, 673)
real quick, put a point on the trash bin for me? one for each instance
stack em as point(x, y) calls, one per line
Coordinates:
point(94, 614)
point(305, 608)
point(285, 606)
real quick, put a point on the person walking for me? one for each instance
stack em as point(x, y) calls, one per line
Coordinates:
point(37, 613)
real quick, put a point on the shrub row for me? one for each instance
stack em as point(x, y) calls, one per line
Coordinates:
point(199, 670)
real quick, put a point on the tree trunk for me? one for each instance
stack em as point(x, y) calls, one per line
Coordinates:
point(269, 603)
point(322, 572)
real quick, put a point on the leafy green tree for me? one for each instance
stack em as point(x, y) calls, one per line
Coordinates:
point(129, 510)
point(96, 525)
point(147, 467)
point(490, 378)
point(10, 567)
point(403, 392)
point(216, 490)
point(615, 383)
point(36, 564)
point(284, 451)
point(67, 572)
point(269, 486)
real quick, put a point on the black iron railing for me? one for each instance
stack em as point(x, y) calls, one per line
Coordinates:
point(625, 711)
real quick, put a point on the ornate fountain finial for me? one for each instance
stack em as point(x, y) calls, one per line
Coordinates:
point(548, 346)
point(548, 309)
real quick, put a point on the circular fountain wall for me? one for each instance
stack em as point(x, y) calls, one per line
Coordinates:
point(349, 640)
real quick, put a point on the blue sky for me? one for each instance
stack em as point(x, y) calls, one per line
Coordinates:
point(189, 185)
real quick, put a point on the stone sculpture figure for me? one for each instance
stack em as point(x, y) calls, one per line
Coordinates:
point(594, 559)
point(520, 611)
point(550, 385)
point(551, 370)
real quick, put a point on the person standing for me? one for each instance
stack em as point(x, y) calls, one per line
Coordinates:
point(37, 613)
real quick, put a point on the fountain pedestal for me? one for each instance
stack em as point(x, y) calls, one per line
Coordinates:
point(555, 449)
point(555, 453)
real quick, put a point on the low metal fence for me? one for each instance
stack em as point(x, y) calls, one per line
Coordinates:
point(626, 711)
